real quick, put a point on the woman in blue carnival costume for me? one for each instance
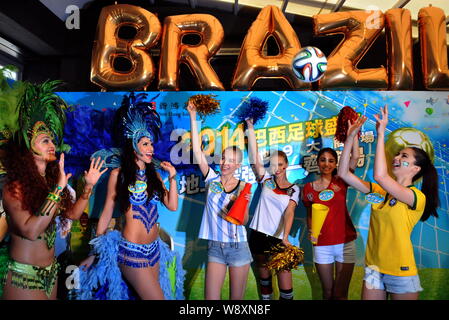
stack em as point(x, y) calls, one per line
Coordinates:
point(36, 192)
point(138, 187)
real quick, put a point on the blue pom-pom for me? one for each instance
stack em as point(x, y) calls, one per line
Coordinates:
point(254, 108)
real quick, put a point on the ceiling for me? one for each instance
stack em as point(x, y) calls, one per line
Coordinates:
point(306, 8)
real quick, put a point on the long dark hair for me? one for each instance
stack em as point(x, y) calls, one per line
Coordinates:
point(127, 177)
point(429, 182)
point(26, 184)
point(333, 153)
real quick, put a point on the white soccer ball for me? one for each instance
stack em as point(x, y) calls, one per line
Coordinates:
point(309, 64)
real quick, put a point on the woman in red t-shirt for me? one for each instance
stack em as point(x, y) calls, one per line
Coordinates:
point(335, 246)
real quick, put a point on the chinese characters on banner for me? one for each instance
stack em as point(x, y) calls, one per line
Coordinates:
point(285, 137)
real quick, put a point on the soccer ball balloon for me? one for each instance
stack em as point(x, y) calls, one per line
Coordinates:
point(407, 137)
point(309, 64)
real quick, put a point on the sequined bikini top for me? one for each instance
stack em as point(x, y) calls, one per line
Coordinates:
point(145, 209)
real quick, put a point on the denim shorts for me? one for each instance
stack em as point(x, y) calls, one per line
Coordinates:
point(393, 284)
point(343, 253)
point(232, 254)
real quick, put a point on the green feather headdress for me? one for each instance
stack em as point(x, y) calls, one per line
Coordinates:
point(42, 111)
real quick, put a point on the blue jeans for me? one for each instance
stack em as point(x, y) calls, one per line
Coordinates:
point(393, 284)
point(232, 254)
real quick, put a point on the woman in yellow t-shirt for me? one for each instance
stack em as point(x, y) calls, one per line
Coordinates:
point(397, 206)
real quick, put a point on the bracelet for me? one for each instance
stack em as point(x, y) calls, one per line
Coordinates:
point(171, 178)
point(53, 197)
point(86, 194)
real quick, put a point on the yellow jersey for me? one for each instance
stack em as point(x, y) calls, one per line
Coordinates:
point(389, 249)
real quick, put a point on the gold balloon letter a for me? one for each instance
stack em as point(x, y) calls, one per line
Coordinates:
point(432, 33)
point(360, 31)
point(108, 46)
point(252, 64)
point(197, 57)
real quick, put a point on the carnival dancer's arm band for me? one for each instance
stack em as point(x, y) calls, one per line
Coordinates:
point(86, 193)
point(51, 202)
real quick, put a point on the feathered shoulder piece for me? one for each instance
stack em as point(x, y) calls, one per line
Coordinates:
point(41, 111)
point(137, 118)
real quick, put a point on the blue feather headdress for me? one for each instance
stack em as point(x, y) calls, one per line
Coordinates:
point(87, 130)
point(138, 118)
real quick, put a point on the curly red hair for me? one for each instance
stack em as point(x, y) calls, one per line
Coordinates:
point(26, 184)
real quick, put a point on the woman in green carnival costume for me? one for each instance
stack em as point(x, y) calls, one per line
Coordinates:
point(36, 191)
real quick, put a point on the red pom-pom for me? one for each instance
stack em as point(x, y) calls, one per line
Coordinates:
point(345, 114)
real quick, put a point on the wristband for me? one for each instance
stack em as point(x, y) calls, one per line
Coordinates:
point(53, 197)
point(86, 194)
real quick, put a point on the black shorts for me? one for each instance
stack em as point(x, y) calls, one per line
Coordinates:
point(261, 243)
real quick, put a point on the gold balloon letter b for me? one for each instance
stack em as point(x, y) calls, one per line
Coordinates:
point(108, 46)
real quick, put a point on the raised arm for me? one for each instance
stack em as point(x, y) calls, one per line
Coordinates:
point(27, 225)
point(355, 154)
point(198, 154)
point(254, 159)
point(381, 175)
point(171, 196)
point(106, 214)
point(343, 168)
point(91, 178)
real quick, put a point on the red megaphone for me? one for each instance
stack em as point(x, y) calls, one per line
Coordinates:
point(237, 213)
